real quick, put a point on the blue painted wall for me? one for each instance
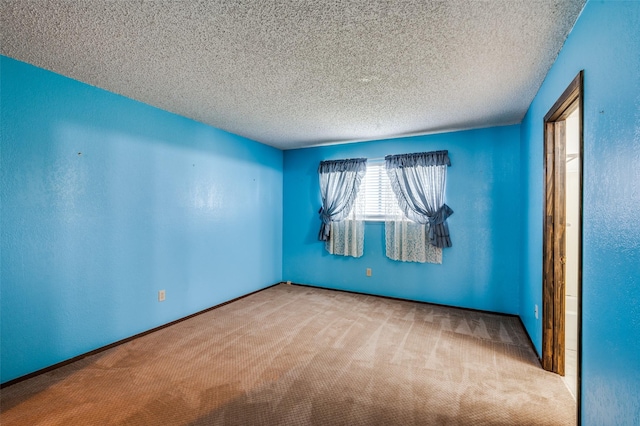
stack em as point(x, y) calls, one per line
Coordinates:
point(154, 201)
point(157, 201)
point(605, 42)
point(480, 271)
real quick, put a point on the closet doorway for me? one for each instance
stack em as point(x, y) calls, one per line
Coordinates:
point(562, 240)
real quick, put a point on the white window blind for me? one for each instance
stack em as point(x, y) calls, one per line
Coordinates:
point(376, 193)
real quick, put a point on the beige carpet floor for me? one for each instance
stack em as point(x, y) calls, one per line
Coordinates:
point(294, 355)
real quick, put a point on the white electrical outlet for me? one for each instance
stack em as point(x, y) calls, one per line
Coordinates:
point(368, 272)
point(161, 296)
point(535, 311)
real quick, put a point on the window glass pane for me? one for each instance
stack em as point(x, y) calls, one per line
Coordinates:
point(376, 193)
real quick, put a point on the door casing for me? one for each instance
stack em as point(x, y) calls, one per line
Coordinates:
point(554, 256)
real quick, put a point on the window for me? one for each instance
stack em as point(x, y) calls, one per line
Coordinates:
point(376, 193)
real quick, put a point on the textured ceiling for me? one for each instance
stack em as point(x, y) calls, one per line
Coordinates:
point(296, 73)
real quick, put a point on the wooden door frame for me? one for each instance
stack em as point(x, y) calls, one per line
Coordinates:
point(553, 276)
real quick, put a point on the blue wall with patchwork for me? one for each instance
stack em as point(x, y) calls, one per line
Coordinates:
point(605, 43)
point(105, 201)
point(480, 271)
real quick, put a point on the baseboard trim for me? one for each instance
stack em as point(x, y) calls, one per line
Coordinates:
point(125, 340)
point(410, 300)
point(144, 333)
point(533, 348)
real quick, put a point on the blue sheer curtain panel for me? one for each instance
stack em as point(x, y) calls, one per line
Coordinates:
point(418, 182)
point(339, 184)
